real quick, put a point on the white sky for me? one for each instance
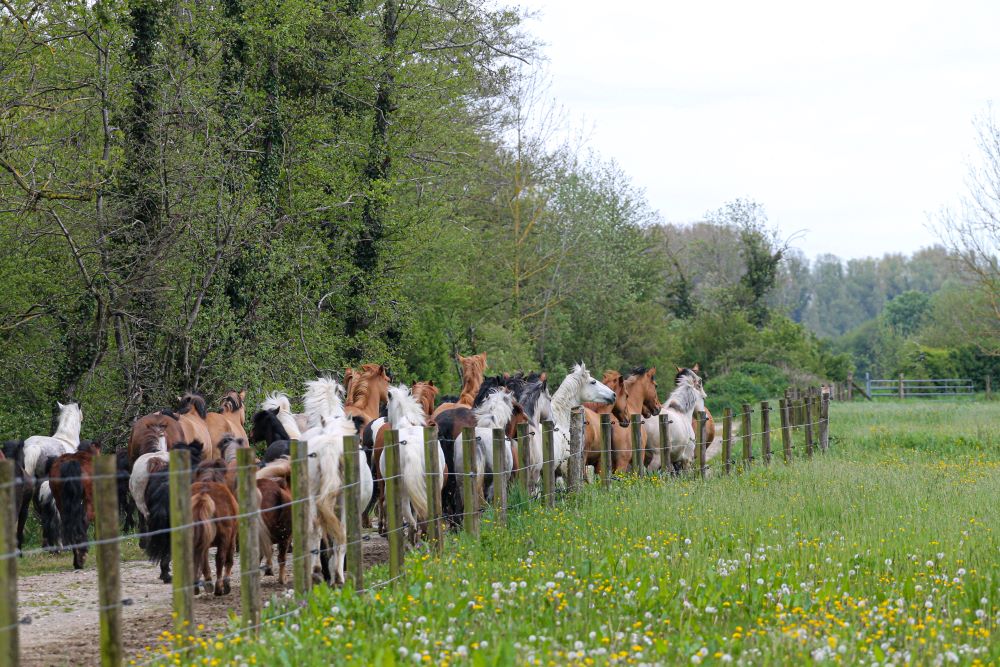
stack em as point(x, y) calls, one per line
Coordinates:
point(850, 120)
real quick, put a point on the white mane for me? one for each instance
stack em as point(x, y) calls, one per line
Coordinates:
point(404, 410)
point(567, 396)
point(686, 398)
point(496, 410)
point(70, 420)
point(323, 402)
point(279, 401)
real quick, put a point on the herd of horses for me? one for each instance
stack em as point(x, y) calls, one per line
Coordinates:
point(54, 473)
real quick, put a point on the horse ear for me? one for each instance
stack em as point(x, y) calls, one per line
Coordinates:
point(652, 372)
point(61, 406)
point(430, 383)
point(543, 376)
point(460, 358)
point(696, 368)
point(243, 394)
point(679, 369)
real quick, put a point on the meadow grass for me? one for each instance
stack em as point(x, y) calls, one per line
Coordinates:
point(882, 551)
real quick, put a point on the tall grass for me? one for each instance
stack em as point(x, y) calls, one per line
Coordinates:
point(883, 551)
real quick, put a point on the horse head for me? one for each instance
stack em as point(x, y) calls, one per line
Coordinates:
point(620, 408)
point(641, 382)
point(591, 391)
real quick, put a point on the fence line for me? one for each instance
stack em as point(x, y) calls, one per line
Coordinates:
point(803, 416)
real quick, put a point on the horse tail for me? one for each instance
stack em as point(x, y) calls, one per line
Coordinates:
point(157, 500)
point(329, 462)
point(203, 513)
point(413, 477)
point(48, 514)
point(73, 512)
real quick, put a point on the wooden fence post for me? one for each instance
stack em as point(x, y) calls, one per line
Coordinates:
point(9, 624)
point(747, 435)
point(432, 466)
point(989, 387)
point(249, 528)
point(665, 464)
point(302, 563)
point(902, 394)
point(824, 423)
point(394, 502)
point(786, 433)
point(109, 588)
point(809, 426)
point(9, 628)
point(607, 445)
point(470, 495)
point(699, 441)
point(523, 453)
point(351, 497)
point(638, 455)
point(181, 541)
point(727, 439)
point(765, 432)
point(850, 386)
point(499, 476)
point(574, 467)
point(548, 464)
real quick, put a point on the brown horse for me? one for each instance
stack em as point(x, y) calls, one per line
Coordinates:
point(640, 386)
point(147, 431)
point(73, 491)
point(192, 414)
point(620, 439)
point(473, 372)
point(275, 526)
point(229, 420)
point(367, 390)
point(425, 393)
point(213, 511)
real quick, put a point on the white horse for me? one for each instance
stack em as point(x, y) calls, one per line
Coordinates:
point(288, 420)
point(66, 439)
point(495, 412)
point(328, 425)
point(139, 479)
point(578, 387)
point(407, 416)
point(535, 400)
point(688, 396)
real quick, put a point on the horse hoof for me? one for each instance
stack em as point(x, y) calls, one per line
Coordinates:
point(268, 572)
point(166, 578)
point(226, 588)
point(218, 591)
point(209, 587)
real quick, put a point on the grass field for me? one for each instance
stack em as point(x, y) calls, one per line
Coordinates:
point(883, 551)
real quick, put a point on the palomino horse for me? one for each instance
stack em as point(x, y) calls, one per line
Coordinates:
point(192, 414)
point(230, 418)
point(473, 370)
point(687, 397)
point(73, 491)
point(578, 387)
point(407, 416)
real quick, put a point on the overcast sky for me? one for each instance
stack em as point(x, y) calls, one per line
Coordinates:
point(849, 120)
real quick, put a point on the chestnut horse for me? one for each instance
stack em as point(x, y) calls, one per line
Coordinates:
point(147, 431)
point(621, 440)
point(473, 371)
point(367, 391)
point(213, 511)
point(425, 393)
point(73, 491)
point(229, 420)
point(275, 523)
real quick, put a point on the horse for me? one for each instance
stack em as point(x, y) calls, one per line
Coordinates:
point(425, 393)
point(267, 427)
point(148, 429)
point(72, 489)
point(192, 415)
point(496, 411)
point(150, 489)
point(621, 437)
point(473, 369)
point(274, 522)
point(407, 416)
point(228, 446)
point(532, 394)
point(686, 397)
point(229, 420)
point(292, 423)
point(577, 387)
point(66, 439)
point(24, 485)
point(213, 512)
point(693, 374)
point(367, 390)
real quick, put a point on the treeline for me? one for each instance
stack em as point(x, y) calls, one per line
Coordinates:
point(247, 193)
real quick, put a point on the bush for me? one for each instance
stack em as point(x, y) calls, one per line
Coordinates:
point(749, 382)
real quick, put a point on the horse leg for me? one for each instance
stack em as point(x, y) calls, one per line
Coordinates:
point(206, 572)
point(282, 551)
point(22, 518)
point(165, 571)
point(230, 557)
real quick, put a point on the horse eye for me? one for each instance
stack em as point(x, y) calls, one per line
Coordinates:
point(593, 382)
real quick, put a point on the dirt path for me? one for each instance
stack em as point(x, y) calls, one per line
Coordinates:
point(64, 628)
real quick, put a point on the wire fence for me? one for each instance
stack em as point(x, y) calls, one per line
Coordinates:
point(323, 504)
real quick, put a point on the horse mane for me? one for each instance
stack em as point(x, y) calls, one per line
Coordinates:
point(684, 398)
point(571, 385)
point(323, 399)
point(404, 410)
point(488, 386)
point(357, 390)
point(211, 471)
point(278, 400)
point(231, 400)
point(683, 373)
point(196, 448)
point(193, 400)
point(424, 392)
point(532, 389)
point(228, 440)
point(636, 371)
point(473, 369)
point(70, 420)
point(167, 412)
point(496, 410)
